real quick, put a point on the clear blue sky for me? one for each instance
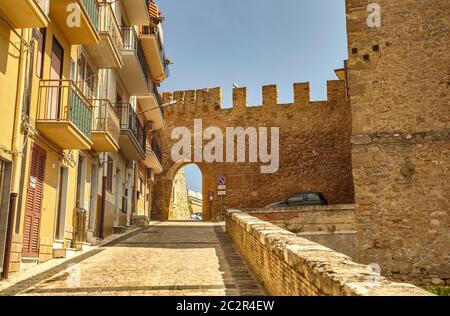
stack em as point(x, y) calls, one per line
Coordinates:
point(215, 43)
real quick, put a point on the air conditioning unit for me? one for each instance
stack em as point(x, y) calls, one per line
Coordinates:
point(151, 175)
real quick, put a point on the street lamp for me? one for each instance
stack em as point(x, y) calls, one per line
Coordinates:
point(159, 107)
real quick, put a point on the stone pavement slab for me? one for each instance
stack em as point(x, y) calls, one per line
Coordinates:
point(169, 258)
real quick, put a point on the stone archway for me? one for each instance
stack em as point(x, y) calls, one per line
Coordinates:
point(163, 191)
point(314, 147)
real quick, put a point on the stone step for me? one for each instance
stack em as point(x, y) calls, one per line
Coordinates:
point(64, 253)
point(119, 230)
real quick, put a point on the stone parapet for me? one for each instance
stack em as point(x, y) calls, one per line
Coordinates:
point(288, 265)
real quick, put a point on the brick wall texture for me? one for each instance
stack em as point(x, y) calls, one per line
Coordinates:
point(315, 148)
point(399, 79)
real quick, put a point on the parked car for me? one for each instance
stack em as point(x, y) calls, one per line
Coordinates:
point(197, 217)
point(302, 199)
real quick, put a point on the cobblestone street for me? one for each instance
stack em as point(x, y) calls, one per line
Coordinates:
point(169, 258)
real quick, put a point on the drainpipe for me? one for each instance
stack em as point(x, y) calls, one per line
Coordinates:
point(16, 148)
point(101, 233)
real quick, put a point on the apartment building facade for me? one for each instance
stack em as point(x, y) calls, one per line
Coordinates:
point(82, 106)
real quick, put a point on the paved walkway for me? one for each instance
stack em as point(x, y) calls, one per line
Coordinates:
point(169, 258)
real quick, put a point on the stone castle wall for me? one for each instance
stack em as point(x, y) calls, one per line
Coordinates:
point(314, 146)
point(399, 83)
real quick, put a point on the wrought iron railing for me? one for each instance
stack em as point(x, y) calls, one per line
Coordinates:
point(154, 147)
point(131, 42)
point(92, 9)
point(105, 118)
point(129, 121)
point(153, 30)
point(62, 100)
point(110, 26)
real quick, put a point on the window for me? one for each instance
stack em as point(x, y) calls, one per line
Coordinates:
point(87, 77)
point(140, 193)
point(39, 35)
point(296, 199)
point(109, 174)
point(313, 197)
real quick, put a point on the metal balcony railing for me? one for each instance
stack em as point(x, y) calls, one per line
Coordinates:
point(129, 121)
point(92, 9)
point(110, 26)
point(45, 5)
point(105, 118)
point(131, 42)
point(62, 101)
point(153, 30)
point(155, 148)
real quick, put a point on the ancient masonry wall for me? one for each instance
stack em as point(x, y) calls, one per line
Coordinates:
point(399, 83)
point(179, 205)
point(330, 225)
point(288, 265)
point(314, 146)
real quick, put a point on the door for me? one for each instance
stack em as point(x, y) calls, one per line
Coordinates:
point(54, 94)
point(62, 203)
point(81, 182)
point(33, 207)
point(5, 181)
point(118, 199)
point(93, 197)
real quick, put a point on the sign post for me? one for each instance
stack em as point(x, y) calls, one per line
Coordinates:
point(221, 191)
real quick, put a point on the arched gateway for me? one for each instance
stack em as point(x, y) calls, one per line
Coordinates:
point(312, 140)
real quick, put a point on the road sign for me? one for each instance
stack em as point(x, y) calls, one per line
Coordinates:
point(222, 180)
point(221, 193)
point(221, 187)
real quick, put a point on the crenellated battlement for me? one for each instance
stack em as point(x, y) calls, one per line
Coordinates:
point(211, 99)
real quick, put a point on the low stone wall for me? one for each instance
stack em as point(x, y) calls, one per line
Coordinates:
point(140, 220)
point(286, 264)
point(333, 226)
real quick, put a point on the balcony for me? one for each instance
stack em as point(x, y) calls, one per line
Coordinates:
point(132, 140)
point(64, 114)
point(151, 108)
point(134, 73)
point(86, 32)
point(105, 127)
point(108, 53)
point(153, 157)
point(151, 38)
point(137, 11)
point(26, 13)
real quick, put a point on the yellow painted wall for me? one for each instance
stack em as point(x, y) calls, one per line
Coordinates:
point(143, 201)
point(9, 66)
point(55, 157)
